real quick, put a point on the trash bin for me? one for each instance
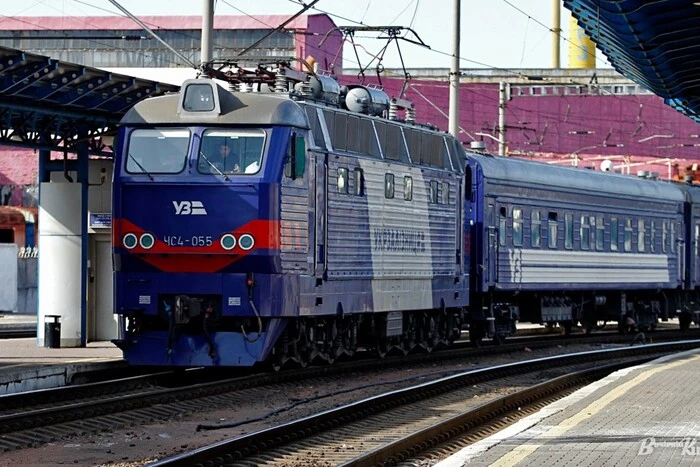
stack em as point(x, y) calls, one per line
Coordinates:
point(52, 332)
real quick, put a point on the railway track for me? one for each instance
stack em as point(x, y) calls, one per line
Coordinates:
point(49, 415)
point(392, 427)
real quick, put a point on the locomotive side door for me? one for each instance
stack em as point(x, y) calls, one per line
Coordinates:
point(321, 214)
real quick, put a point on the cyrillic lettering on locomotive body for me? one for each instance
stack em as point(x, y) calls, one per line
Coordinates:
point(406, 240)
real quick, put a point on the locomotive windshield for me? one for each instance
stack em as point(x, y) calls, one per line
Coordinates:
point(157, 151)
point(231, 152)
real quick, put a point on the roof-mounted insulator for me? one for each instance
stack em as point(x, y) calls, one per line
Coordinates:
point(411, 115)
point(245, 87)
point(393, 110)
point(281, 81)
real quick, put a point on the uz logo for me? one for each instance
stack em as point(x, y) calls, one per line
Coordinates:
point(189, 208)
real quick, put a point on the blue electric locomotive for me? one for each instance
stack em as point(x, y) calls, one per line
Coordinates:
point(294, 223)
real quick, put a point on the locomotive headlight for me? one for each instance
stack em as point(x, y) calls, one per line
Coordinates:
point(246, 242)
point(147, 241)
point(130, 241)
point(228, 242)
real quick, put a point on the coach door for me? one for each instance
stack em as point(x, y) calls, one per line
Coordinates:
point(321, 214)
point(491, 251)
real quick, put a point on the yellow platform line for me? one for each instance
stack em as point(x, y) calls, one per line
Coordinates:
point(521, 452)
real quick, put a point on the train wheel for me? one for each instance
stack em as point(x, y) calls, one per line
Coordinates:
point(685, 320)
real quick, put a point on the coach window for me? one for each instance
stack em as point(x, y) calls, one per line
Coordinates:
point(342, 180)
point(517, 227)
point(697, 237)
point(407, 188)
point(389, 186)
point(433, 191)
point(359, 182)
point(664, 237)
point(652, 236)
point(502, 225)
point(552, 229)
point(585, 232)
point(628, 234)
point(568, 231)
point(445, 193)
point(535, 225)
point(641, 237)
point(672, 238)
point(613, 233)
point(599, 233)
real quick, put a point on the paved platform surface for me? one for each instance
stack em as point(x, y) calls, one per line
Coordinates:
point(645, 415)
point(24, 366)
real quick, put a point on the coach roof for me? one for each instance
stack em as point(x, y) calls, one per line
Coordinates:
point(538, 174)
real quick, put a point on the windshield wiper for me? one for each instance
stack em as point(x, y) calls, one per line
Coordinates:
point(140, 166)
point(214, 167)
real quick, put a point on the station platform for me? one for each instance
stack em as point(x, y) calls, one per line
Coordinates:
point(24, 366)
point(644, 415)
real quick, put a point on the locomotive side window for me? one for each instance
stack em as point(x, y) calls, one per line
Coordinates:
point(368, 139)
point(641, 237)
point(340, 132)
point(502, 225)
point(613, 233)
point(407, 188)
point(312, 114)
point(628, 234)
point(599, 233)
point(389, 186)
point(343, 180)
point(394, 147)
point(517, 227)
point(231, 151)
point(535, 225)
point(354, 144)
point(157, 151)
point(568, 231)
point(585, 232)
point(552, 229)
point(433, 192)
point(359, 182)
point(652, 236)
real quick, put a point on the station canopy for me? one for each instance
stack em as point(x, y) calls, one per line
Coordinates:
point(654, 43)
point(54, 105)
